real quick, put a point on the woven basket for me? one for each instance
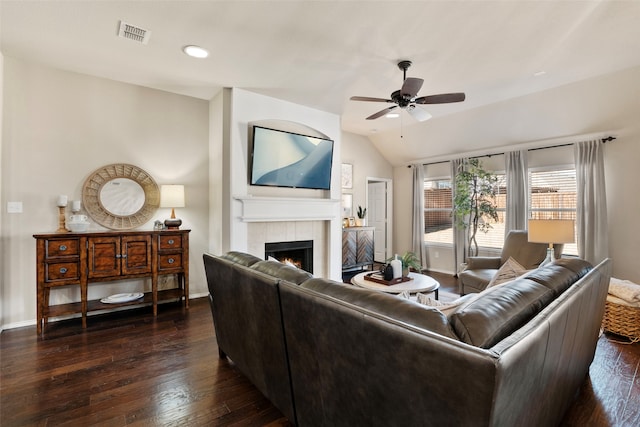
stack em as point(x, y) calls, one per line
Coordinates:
point(622, 320)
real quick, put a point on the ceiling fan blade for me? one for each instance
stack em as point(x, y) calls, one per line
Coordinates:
point(369, 99)
point(418, 113)
point(444, 98)
point(381, 113)
point(411, 87)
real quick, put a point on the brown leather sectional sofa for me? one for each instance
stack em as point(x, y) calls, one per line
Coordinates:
point(330, 354)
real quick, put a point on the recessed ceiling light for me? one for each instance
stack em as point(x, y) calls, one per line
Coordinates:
point(195, 51)
point(392, 115)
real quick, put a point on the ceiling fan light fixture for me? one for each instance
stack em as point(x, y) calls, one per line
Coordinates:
point(195, 51)
point(406, 98)
point(392, 115)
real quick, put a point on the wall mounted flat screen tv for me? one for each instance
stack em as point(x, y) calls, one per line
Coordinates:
point(285, 159)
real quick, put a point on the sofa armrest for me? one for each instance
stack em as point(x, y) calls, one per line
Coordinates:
point(483, 263)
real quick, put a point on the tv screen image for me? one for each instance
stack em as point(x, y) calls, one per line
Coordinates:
point(285, 159)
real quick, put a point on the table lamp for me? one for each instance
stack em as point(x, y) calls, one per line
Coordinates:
point(551, 231)
point(172, 196)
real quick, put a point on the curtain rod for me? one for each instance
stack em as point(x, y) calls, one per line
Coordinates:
point(603, 140)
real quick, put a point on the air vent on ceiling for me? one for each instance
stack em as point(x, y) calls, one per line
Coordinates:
point(134, 33)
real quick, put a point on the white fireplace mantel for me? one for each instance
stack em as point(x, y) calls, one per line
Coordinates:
point(266, 209)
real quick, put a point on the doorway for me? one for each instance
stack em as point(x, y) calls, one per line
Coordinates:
point(379, 207)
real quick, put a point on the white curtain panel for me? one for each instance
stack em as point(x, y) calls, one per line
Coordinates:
point(591, 222)
point(459, 235)
point(517, 191)
point(417, 228)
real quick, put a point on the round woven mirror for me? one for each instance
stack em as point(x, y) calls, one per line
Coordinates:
point(120, 196)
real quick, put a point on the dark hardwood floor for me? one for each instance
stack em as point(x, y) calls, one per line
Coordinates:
point(129, 368)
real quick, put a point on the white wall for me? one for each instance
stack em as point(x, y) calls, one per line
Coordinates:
point(61, 126)
point(239, 109)
point(607, 103)
point(367, 162)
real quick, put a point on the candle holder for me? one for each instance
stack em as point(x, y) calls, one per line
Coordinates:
point(62, 220)
point(75, 206)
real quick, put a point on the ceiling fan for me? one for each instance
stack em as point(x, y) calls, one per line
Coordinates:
point(405, 98)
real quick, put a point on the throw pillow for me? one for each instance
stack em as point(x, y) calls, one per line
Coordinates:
point(509, 271)
point(427, 300)
point(445, 307)
point(405, 295)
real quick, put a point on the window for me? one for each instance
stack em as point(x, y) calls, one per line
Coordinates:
point(438, 220)
point(438, 227)
point(553, 195)
point(494, 238)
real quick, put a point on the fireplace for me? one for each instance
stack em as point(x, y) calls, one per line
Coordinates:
point(298, 253)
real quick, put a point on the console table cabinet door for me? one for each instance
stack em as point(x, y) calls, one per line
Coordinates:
point(115, 256)
point(104, 256)
point(136, 255)
point(349, 249)
point(357, 247)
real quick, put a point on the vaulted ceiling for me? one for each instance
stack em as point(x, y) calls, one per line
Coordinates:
point(320, 53)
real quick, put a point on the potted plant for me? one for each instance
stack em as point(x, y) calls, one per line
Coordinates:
point(474, 204)
point(361, 213)
point(409, 260)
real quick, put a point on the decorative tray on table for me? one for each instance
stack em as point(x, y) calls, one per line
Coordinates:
point(379, 278)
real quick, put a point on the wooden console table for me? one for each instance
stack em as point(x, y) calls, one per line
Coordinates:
point(79, 259)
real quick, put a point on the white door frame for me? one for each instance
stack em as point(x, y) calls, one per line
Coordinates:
point(389, 213)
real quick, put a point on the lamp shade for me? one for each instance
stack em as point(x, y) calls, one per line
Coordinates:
point(551, 231)
point(172, 196)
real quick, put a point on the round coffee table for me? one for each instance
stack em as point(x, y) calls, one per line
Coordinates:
point(420, 283)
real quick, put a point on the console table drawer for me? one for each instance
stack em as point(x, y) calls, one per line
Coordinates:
point(172, 241)
point(56, 248)
point(170, 262)
point(62, 271)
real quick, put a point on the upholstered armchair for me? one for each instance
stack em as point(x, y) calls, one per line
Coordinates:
point(480, 270)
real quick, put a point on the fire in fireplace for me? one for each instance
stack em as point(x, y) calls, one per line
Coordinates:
point(298, 253)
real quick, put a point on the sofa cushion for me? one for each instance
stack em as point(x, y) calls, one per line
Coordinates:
point(241, 258)
point(282, 271)
point(577, 265)
point(403, 310)
point(499, 311)
point(560, 274)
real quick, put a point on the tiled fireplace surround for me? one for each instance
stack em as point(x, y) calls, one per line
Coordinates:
point(260, 233)
point(276, 219)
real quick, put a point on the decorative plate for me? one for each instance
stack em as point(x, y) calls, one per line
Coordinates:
point(120, 298)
